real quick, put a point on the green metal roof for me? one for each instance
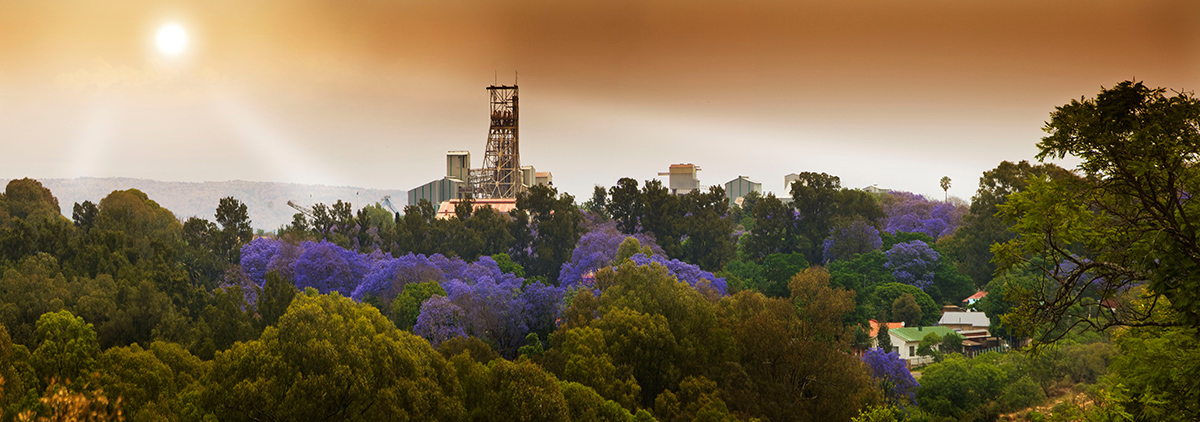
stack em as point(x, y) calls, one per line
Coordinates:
point(918, 333)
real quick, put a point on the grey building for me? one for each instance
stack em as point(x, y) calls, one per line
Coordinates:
point(437, 191)
point(737, 188)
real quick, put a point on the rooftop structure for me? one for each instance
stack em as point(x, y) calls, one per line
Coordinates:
point(436, 191)
point(965, 320)
point(737, 188)
point(683, 178)
point(458, 165)
point(543, 178)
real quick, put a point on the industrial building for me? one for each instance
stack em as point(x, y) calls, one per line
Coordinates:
point(682, 178)
point(437, 191)
point(502, 176)
point(738, 188)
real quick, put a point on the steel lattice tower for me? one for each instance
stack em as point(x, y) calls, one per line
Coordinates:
point(500, 176)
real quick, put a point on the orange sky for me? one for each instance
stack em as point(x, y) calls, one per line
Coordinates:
point(373, 92)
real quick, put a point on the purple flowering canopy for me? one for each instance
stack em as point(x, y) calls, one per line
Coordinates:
point(892, 375)
point(685, 272)
point(597, 249)
point(913, 263)
point(482, 300)
point(844, 242)
point(912, 213)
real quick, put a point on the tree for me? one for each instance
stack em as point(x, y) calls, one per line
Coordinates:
point(67, 347)
point(883, 340)
point(892, 376)
point(708, 229)
point(626, 205)
point(846, 241)
point(887, 293)
point(277, 295)
point(332, 357)
point(407, 306)
point(1130, 222)
point(970, 246)
point(945, 184)
point(821, 203)
point(598, 205)
point(913, 263)
point(236, 231)
point(555, 224)
point(905, 309)
point(930, 347)
point(774, 229)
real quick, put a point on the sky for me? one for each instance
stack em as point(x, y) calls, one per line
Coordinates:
point(372, 93)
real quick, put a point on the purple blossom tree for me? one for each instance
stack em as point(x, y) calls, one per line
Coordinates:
point(440, 320)
point(256, 257)
point(597, 249)
point(692, 274)
point(909, 212)
point(892, 375)
point(329, 268)
point(913, 263)
point(846, 241)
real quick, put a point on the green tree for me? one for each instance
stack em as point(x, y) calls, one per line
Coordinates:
point(555, 220)
point(1128, 223)
point(67, 347)
point(774, 229)
point(708, 229)
point(277, 294)
point(626, 205)
point(407, 305)
point(886, 294)
point(332, 357)
point(234, 218)
point(905, 309)
point(970, 246)
point(883, 340)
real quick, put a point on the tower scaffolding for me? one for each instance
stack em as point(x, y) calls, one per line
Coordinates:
point(500, 176)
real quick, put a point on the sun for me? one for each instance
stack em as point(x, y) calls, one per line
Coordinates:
point(171, 39)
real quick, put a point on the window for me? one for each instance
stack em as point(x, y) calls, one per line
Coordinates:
point(911, 351)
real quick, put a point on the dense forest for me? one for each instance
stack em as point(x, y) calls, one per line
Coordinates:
point(635, 304)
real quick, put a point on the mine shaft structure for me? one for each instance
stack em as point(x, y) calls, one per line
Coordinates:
point(500, 176)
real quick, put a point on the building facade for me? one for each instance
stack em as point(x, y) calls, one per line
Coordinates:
point(737, 188)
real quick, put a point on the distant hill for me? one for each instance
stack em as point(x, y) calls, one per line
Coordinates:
point(266, 201)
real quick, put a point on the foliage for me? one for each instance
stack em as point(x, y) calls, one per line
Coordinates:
point(407, 306)
point(905, 309)
point(891, 375)
point(886, 294)
point(983, 226)
point(67, 347)
point(909, 212)
point(848, 241)
point(913, 263)
point(331, 356)
point(1128, 223)
point(821, 203)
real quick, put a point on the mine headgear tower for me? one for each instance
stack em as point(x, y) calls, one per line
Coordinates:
point(500, 176)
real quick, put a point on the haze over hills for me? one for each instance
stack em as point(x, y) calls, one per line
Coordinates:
point(267, 201)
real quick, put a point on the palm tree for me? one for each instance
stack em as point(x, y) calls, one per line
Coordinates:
point(946, 186)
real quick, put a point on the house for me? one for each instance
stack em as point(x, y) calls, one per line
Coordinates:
point(965, 321)
point(905, 341)
point(875, 330)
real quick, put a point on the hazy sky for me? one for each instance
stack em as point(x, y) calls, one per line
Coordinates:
point(372, 93)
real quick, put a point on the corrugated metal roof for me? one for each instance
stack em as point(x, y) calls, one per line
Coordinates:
point(976, 319)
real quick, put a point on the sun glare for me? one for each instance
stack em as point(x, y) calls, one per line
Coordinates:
point(171, 39)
